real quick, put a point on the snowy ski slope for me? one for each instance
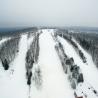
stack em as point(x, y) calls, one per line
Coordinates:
point(45, 76)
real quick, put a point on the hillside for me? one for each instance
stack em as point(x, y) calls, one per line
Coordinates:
point(46, 64)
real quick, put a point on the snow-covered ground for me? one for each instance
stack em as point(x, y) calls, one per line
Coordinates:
point(55, 83)
point(14, 85)
point(89, 70)
point(52, 81)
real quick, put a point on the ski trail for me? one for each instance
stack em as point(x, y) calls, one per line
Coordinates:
point(50, 79)
point(15, 86)
point(55, 83)
point(89, 71)
point(19, 70)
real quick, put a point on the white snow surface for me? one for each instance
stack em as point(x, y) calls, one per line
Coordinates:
point(14, 86)
point(89, 70)
point(55, 83)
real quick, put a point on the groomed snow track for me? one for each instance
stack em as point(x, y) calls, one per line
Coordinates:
point(42, 68)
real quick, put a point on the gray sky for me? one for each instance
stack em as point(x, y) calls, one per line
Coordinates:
point(48, 13)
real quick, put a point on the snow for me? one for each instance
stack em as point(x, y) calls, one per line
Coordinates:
point(55, 83)
point(83, 89)
point(14, 86)
point(89, 70)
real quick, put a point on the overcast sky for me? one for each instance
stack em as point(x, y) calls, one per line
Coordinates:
point(48, 13)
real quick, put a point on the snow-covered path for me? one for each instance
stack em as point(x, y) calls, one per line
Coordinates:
point(54, 81)
point(50, 81)
point(20, 71)
point(89, 70)
point(14, 86)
